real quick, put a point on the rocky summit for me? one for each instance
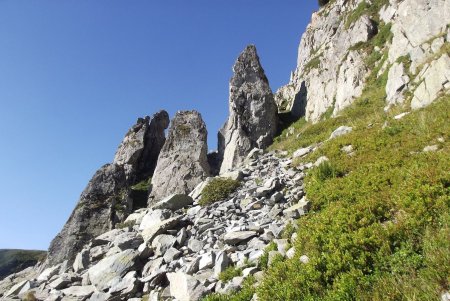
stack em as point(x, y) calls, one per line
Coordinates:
point(334, 188)
point(253, 113)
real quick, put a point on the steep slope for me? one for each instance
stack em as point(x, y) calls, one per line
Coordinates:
point(347, 40)
point(12, 261)
point(371, 153)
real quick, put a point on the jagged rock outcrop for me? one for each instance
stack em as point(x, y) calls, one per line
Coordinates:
point(179, 252)
point(253, 112)
point(93, 215)
point(334, 50)
point(106, 201)
point(183, 162)
point(140, 148)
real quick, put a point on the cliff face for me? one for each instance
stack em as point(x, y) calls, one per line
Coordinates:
point(347, 40)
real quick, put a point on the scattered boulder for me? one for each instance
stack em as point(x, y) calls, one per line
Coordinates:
point(107, 269)
point(184, 287)
point(340, 131)
point(236, 237)
point(174, 202)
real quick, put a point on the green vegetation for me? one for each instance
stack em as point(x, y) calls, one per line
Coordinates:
point(230, 273)
point(381, 231)
point(218, 189)
point(312, 64)
point(13, 261)
point(143, 185)
point(264, 259)
point(139, 193)
point(364, 8)
point(245, 294)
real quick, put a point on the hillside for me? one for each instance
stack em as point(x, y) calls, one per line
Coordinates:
point(336, 187)
point(12, 261)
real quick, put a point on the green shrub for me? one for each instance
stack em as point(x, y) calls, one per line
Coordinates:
point(264, 259)
point(230, 273)
point(245, 294)
point(381, 231)
point(218, 189)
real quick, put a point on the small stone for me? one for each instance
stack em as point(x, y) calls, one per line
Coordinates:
point(290, 253)
point(184, 287)
point(321, 160)
point(340, 131)
point(301, 152)
point(431, 148)
point(304, 259)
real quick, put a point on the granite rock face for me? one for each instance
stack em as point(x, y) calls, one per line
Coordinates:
point(106, 200)
point(93, 214)
point(332, 61)
point(183, 162)
point(253, 112)
point(140, 148)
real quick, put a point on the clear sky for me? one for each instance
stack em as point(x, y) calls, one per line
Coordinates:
point(75, 75)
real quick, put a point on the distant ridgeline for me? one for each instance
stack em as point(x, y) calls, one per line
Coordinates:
point(12, 261)
point(336, 187)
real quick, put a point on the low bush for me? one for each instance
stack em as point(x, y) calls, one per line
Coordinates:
point(218, 189)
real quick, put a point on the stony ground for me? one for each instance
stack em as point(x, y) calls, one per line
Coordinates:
point(177, 249)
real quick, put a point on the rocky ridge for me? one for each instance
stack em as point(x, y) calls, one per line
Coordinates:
point(342, 37)
point(106, 200)
point(176, 249)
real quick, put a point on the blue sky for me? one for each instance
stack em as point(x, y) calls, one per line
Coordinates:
point(75, 75)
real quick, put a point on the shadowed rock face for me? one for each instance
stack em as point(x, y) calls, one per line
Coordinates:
point(105, 200)
point(93, 215)
point(182, 163)
point(140, 148)
point(253, 112)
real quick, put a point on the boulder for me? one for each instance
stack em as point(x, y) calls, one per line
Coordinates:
point(174, 202)
point(236, 237)
point(154, 217)
point(182, 163)
point(140, 148)
point(151, 232)
point(184, 287)
point(82, 292)
point(253, 113)
point(340, 131)
point(113, 266)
